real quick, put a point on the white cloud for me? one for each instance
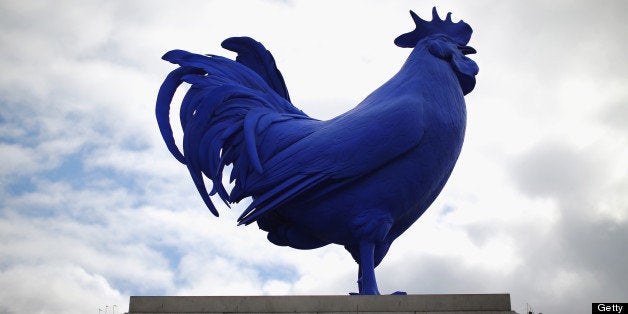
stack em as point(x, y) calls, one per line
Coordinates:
point(50, 288)
point(16, 158)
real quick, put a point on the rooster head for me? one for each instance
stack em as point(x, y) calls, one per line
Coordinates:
point(445, 40)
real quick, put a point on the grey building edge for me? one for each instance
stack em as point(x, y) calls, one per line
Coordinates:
point(414, 303)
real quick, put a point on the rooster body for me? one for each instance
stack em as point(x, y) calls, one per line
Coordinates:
point(358, 180)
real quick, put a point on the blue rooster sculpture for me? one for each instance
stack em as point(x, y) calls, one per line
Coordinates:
point(358, 180)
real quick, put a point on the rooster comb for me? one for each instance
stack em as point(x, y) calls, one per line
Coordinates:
point(460, 32)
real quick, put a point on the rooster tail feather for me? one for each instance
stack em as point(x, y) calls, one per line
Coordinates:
point(250, 125)
point(189, 144)
point(279, 195)
point(225, 115)
point(255, 56)
point(162, 108)
point(222, 70)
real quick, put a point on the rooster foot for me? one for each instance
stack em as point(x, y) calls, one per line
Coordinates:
point(394, 293)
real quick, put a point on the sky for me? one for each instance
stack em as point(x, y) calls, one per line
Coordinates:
point(93, 208)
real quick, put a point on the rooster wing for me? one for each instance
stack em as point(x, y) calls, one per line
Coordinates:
point(336, 153)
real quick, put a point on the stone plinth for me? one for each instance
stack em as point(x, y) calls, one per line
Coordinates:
point(436, 303)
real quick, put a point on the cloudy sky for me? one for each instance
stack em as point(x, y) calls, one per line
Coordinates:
point(94, 209)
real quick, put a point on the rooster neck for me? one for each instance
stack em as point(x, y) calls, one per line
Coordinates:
point(424, 78)
point(423, 81)
point(428, 74)
point(433, 82)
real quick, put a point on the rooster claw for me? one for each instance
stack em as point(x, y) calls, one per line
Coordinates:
point(394, 293)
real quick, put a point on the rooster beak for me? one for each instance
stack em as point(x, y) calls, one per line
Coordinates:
point(466, 50)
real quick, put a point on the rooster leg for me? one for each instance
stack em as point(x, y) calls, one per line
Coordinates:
point(359, 278)
point(367, 283)
point(370, 227)
point(359, 281)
